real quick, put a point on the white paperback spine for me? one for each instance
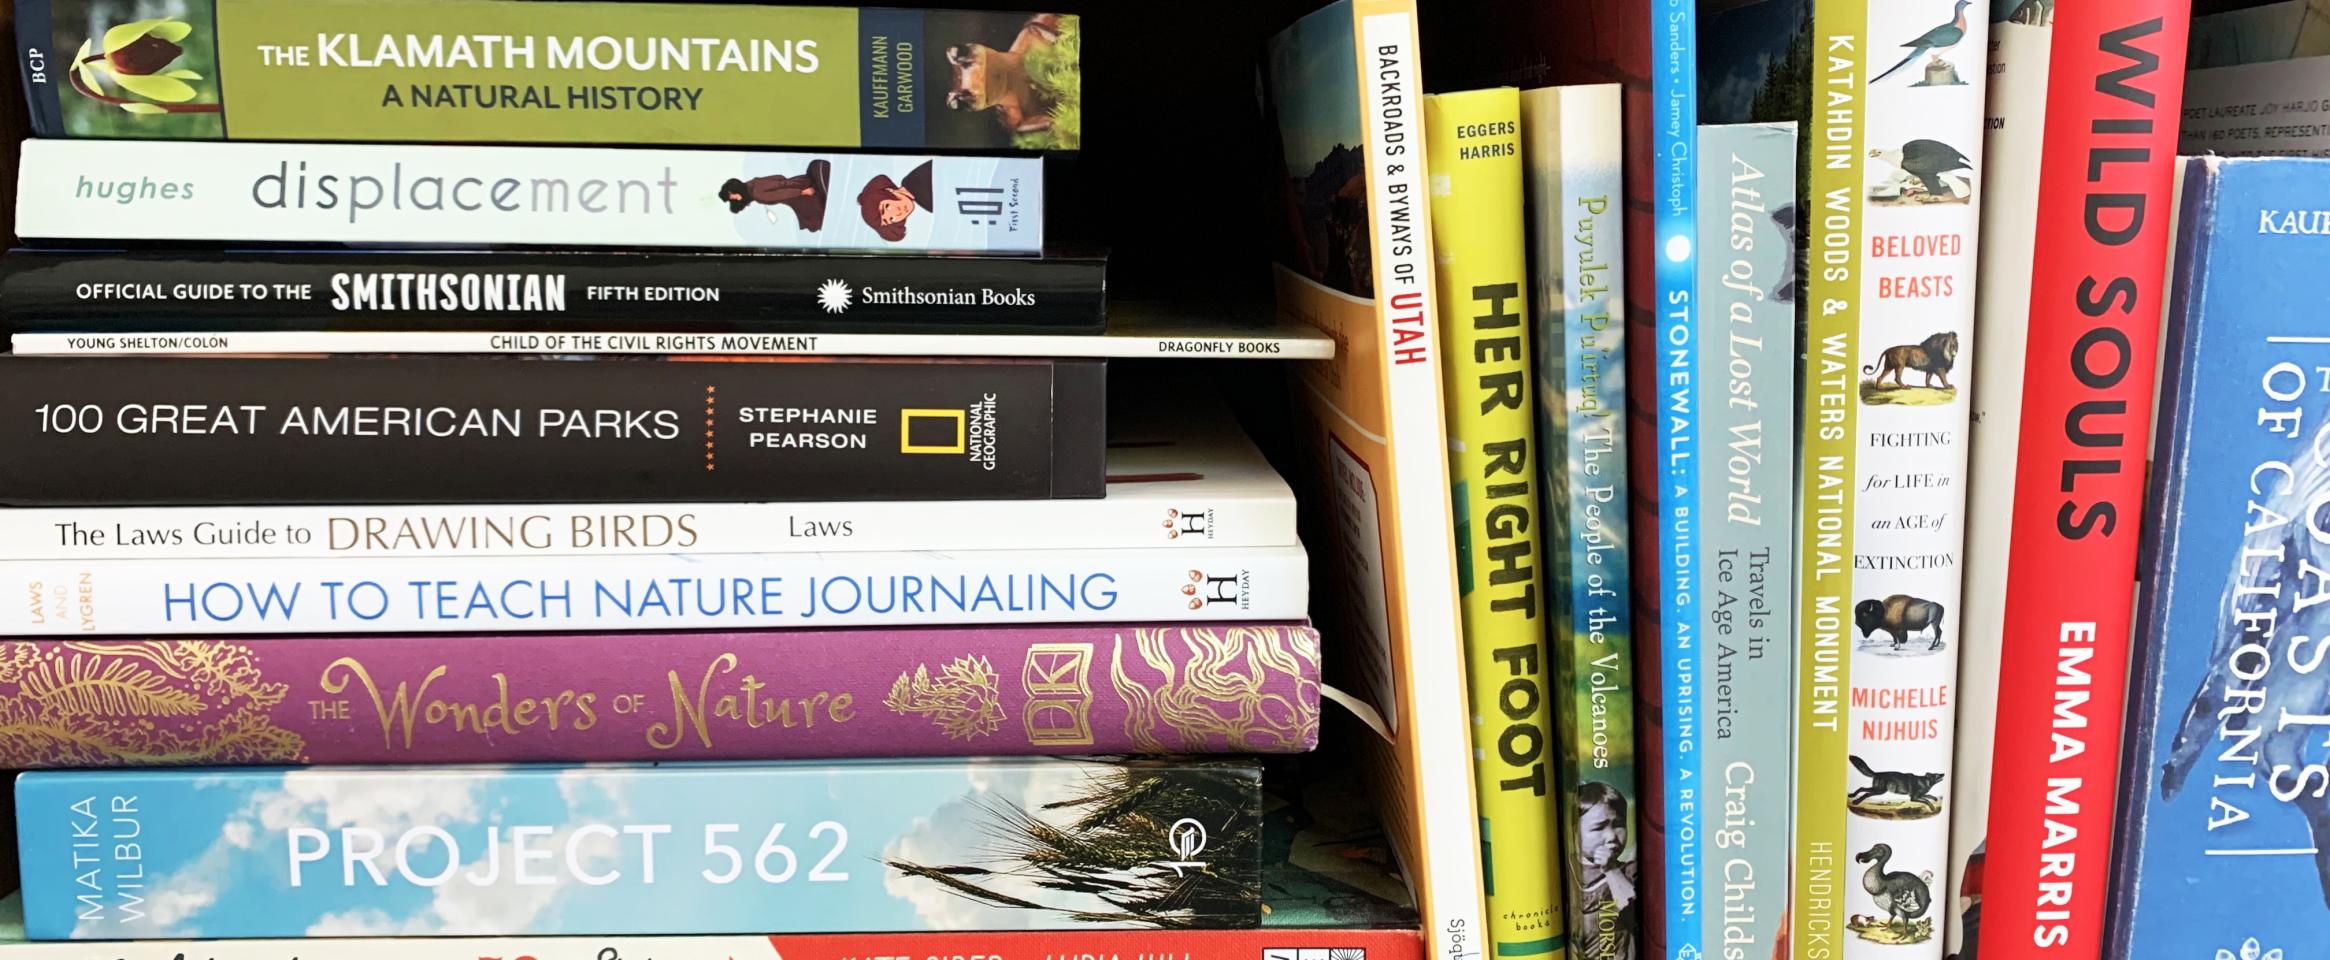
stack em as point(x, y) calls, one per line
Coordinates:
point(1267, 345)
point(599, 529)
point(753, 591)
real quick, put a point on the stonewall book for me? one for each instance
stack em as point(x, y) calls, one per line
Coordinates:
point(509, 71)
point(466, 196)
point(779, 694)
point(830, 847)
point(2221, 813)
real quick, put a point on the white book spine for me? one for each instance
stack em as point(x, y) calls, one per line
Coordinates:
point(135, 597)
point(554, 196)
point(1218, 346)
point(690, 529)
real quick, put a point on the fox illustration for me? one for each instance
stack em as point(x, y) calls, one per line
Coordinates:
point(1918, 787)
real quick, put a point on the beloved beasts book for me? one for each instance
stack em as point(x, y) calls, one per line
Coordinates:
point(1747, 296)
point(188, 291)
point(829, 847)
point(517, 429)
point(780, 694)
point(2075, 226)
point(2221, 818)
point(467, 196)
point(1342, 99)
point(1571, 151)
point(1479, 244)
point(513, 72)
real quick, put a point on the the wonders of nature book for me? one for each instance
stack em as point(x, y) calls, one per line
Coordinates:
point(335, 193)
point(1570, 147)
point(640, 849)
point(2221, 812)
point(1353, 259)
point(2075, 236)
point(506, 71)
point(1479, 243)
point(1889, 98)
point(1747, 570)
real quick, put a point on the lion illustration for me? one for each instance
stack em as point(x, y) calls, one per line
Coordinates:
point(1933, 357)
point(985, 78)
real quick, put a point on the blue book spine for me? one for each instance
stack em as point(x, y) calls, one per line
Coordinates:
point(2224, 831)
point(640, 849)
point(1675, 232)
point(1747, 201)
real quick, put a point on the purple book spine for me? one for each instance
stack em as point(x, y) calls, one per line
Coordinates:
point(1228, 688)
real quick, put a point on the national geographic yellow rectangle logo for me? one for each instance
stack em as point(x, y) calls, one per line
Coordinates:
point(926, 430)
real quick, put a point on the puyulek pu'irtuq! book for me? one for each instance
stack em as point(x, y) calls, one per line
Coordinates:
point(445, 71)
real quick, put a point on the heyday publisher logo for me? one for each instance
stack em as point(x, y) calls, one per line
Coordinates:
point(1205, 590)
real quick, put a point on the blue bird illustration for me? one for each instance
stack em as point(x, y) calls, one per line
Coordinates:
point(1939, 38)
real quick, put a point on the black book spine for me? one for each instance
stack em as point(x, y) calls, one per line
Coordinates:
point(289, 430)
point(213, 291)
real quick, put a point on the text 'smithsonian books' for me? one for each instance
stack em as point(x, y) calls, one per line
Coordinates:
point(544, 196)
point(2222, 810)
point(214, 291)
point(512, 72)
point(163, 430)
point(1227, 688)
point(686, 848)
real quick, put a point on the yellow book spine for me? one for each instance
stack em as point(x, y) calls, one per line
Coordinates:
point(1473, 154)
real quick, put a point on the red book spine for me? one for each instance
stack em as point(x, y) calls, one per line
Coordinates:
point(2113, 95)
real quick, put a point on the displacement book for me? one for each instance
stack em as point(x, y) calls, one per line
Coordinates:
point(651, 592)
point(191, 292)
point(512, 72)
point(440, 429)
point(1747, 548)
point(1479, 243)
point(2075, 237)
point(1571, 145)
point(831, 847)
point(1167, 487)
point(438, 699)
point(2221, 815)
point(1341, 97)
point(104, 190)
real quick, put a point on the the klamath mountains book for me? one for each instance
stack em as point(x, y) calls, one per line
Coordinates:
point(1571, 148)
point(559, 197)
point(570, 291)
point(1480, 250)
point(2075, 237)
point(780, 694)
point(440, 429)
point(516, 72)
point(818, 847)
point(1342, 100)
point(2220, 818)
point(1179, 486)
point(1747, 575)
point(132, 598)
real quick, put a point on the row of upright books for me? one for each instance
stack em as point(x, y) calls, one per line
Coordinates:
point(798, 582)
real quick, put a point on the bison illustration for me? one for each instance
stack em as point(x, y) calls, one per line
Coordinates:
point(1900, 615)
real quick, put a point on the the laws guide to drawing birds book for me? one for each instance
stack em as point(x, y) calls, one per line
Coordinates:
point(1479, 245)
point(506, 71)
point(2075, 235)
point(1889, 97)
point(1747, 571)
point(1571, 150)
point(1353, 258)
point(2221, 815)
point(106, 190)
point(817, 847)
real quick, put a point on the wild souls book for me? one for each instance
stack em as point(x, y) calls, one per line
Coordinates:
point(838, 846)
point(424, 429)
point(542, 196)
point(781, 694)
point(515, 72)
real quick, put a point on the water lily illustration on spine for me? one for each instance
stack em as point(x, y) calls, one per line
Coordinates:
point(143, 69)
